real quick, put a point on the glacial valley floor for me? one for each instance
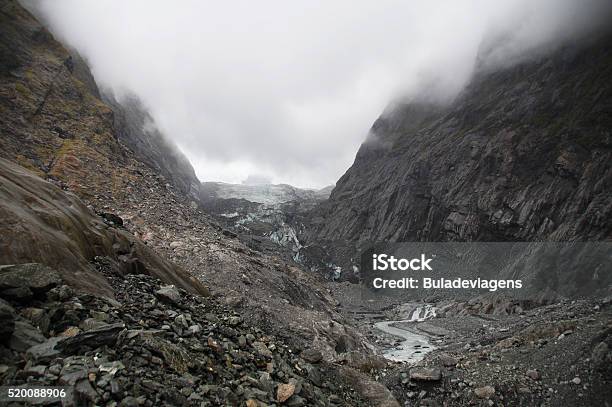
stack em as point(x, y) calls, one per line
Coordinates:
point(553, 355)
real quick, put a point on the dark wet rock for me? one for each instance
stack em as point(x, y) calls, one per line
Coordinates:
point(92, 339)
point(44, 352)
point(91, 323)
point(84, 391)
point(229, 234)
point(112, 218)
point(296, 401)
point(18, 294)
point(38, 370)
point(25, 336)
point(265, 382)
point(72, 377)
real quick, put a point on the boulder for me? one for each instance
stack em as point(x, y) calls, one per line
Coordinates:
point(92, 339)
point(169, 293)
point(44, 352)
point(262, 349)
point(312, 356)
point(25, 336)
point(427, 374)
point(284, 391)
point(112, 218)
point(34, 277)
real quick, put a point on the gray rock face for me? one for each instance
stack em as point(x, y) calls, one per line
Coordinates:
point(137, 129)
point(522, 153)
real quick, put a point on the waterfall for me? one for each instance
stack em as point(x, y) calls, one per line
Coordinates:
point(420, 314)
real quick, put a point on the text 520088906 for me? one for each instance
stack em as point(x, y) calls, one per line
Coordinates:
point(33, 393)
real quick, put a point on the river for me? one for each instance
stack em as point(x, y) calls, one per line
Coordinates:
point(414, 346)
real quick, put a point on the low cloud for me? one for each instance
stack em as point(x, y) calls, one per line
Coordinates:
point(289, 90)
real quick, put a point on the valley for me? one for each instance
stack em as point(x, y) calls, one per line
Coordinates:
point(134, 283)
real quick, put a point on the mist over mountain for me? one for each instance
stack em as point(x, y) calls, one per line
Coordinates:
point(167, 238)
point(288, 91)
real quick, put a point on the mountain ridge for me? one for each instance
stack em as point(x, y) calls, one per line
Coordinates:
point(500, 135)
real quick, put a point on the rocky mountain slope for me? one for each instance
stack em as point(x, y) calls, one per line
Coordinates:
point(55, 123)
point(522, 154)
point(127, 212)
point(43, 224)
point(153, 345)
point(137, 130)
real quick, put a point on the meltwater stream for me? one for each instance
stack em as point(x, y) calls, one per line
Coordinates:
point(414, 346)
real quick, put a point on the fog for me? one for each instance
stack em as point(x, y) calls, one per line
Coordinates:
point(287, 90)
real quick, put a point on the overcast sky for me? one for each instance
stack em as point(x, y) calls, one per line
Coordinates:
point(288, 89)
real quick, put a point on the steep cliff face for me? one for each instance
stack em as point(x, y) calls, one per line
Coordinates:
point(523, 153)
point(55, 124)
point(137, 129)
point(51, 123)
